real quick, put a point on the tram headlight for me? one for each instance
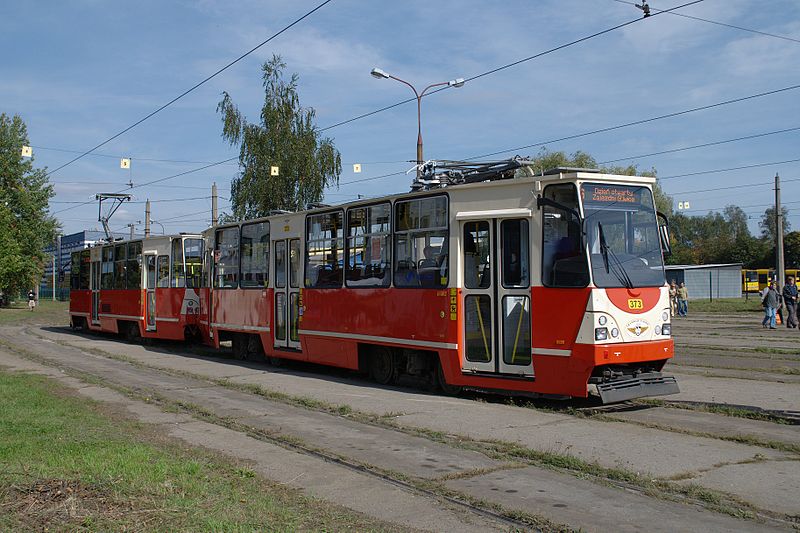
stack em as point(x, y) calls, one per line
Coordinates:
point(666, 329)
point(664, 316)
point(614, 332)
point(600, 334)
point(658, 329)
point(602, 320)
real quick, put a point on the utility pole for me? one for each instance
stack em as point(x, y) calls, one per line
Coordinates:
point(214, 214)
point(133, 227)
point(147, 219)
point(54, 273)
point(779, 266)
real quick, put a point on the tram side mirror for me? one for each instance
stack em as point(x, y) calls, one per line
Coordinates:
point(663, 233)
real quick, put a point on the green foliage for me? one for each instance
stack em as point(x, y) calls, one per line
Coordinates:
point(25, 225)
point(286, 137)
point(768, 223)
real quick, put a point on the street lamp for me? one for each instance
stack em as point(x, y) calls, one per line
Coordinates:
point(159, 223)
point(458, 82)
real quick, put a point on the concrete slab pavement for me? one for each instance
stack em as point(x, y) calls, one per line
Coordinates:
point(287, 466)
point(733, 391)
point(599, 509)
point(724, 426)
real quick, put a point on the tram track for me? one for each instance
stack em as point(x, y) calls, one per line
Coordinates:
point(610, 478)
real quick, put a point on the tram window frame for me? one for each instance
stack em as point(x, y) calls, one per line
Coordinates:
point(369, 237)
point(519, 246)
point(85, 270)
point(193, 278)
point(177, 272)
point(120, 260)
point(416, 230)
point(107, 268)
point(566, 242)
point(74, 270)
point(162, 272)
point(229, 260)
point(248, 264)
point(325, 236)
point(133, 268)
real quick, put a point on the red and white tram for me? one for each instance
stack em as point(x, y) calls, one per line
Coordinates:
point(488, 278)
point(141, 288)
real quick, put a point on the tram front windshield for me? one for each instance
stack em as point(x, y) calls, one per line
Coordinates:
point(622, 230)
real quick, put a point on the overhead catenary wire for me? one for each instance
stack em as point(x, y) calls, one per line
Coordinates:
point(508, 65)
point(195, 86)
point(639, 122)
point(158, 180)
point(733, 26)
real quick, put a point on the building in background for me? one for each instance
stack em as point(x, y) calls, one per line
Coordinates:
point(63, 247)
point(708, 281)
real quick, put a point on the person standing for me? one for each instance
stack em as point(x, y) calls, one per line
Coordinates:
point(31, 299)
point(673, 297)
point(771, 300)
point(790, 299)
point(683, 300)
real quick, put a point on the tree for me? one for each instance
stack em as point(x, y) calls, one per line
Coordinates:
point(25, 225)
point(768, 224)
point(287, 138)
point(791, 249)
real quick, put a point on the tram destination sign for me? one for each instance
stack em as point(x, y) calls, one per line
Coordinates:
point(609, 194)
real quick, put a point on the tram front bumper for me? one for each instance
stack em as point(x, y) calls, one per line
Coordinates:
point(630, 387)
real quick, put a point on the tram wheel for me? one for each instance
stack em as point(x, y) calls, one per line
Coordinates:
point(240, 344)
point(132, 333)
point(447, 389)
point(381, 365)
point(275, 361)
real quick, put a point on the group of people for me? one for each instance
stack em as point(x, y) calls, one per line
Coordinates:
point(771, 300)
point(678, 299)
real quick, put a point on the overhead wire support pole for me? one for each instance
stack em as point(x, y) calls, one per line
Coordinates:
point(779, 265)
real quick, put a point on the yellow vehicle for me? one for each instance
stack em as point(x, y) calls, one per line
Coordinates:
point(756, 280)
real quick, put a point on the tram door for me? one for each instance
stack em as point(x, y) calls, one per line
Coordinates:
point(286, 264)
point(496, 296)
point(94, 282)
point(150, 292)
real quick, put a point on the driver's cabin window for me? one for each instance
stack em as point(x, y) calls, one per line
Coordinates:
point(563, 257)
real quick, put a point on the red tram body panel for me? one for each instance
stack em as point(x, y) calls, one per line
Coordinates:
point(545, 285)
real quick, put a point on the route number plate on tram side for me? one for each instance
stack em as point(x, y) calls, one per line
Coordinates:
point(635, 303)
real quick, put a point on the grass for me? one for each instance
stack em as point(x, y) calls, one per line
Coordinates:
point(65, 464)
point(727, 305)
point(47, 313)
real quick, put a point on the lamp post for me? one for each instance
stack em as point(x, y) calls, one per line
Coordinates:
point(458, 82)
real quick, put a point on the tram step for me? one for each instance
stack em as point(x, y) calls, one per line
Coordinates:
point(649, 384)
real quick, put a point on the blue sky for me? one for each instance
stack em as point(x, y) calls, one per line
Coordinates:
point(78, 72)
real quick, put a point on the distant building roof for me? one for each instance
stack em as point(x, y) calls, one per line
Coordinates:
point(693, 267)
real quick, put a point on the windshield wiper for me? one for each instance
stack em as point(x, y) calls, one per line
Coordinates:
point(618, 270)
point(603, 246)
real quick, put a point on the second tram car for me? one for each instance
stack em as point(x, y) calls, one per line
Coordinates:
point(488, 278)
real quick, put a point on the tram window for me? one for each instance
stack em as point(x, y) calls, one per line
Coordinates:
point(255, 255)
point(477, 255)
point(226, 254)
point(324, 250)
point(193, 254)
point(107, 268)
point(421, 243)
point(514, 242)
point(85, 270)
point(75, 271)
point(280, 264)
point(134, 265)
point(120, 256)
point(563, 259)
point(368, 252)
point(163, 271)
point(294, 264)
point(178, 278)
